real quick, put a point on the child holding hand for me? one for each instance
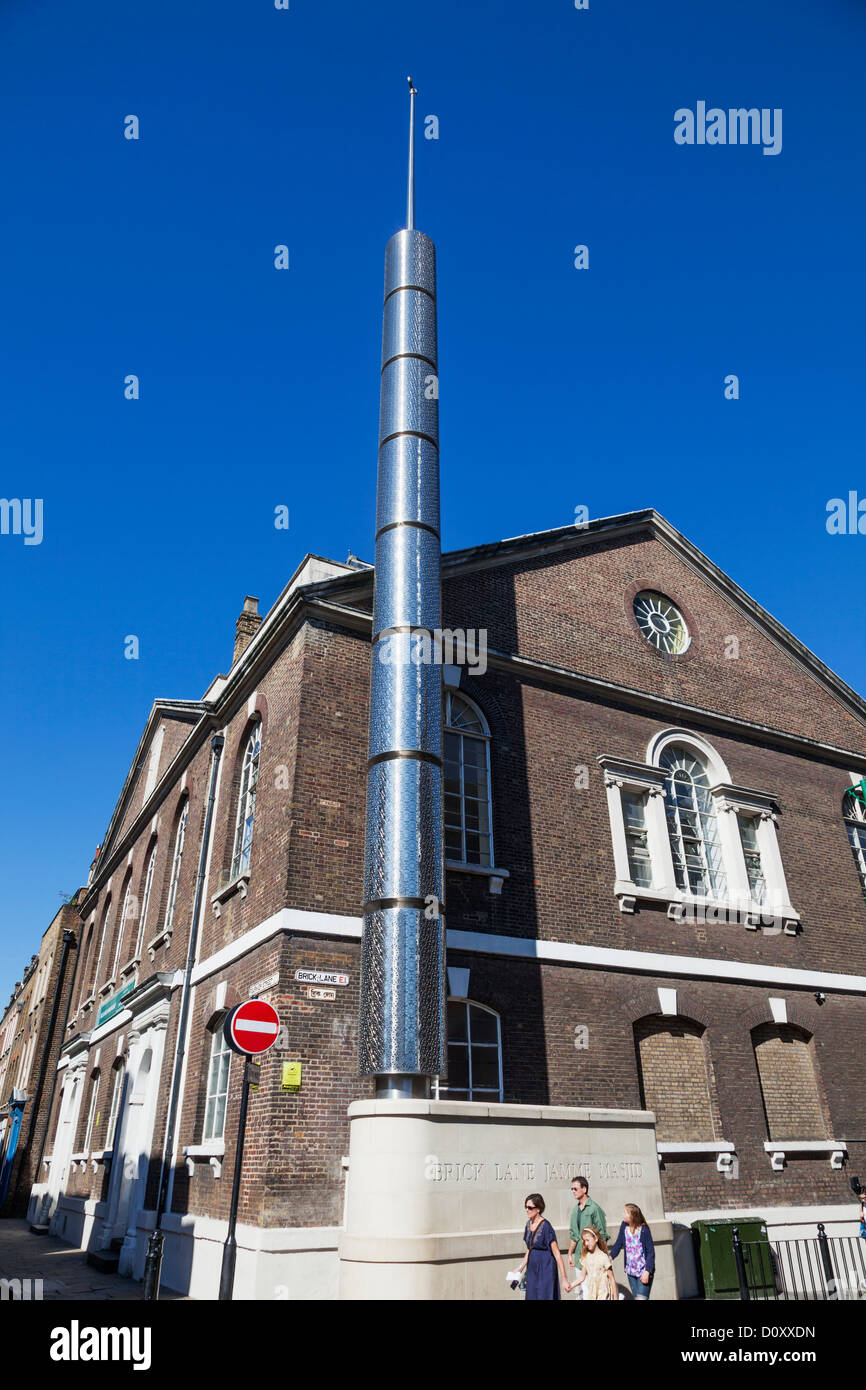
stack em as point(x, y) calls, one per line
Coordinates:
point(596, 1268)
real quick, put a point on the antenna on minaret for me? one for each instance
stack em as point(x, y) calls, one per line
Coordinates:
point(410, 198)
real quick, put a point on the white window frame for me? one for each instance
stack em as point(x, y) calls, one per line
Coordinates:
point(441, 1090)
point(688, 794)
point(106, 916)
point(177, 858)
point(114, 1111)
point(219, 1048)
point(855, 824)
point(731, 802)
point(482, 736)
point(91, 1112)
point(624, 774)
point(24, 1063)
point(246, 812)
point(745, 820)
point(145, 902)
point(124, 917)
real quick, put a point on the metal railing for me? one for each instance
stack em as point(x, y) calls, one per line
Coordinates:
point(805, 1268)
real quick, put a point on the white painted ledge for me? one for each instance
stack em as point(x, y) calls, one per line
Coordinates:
point(725, 1153)
point(778, 1149)
point(303, 923)
point(494, 875)
point(702, 1147)
point(212, 1152)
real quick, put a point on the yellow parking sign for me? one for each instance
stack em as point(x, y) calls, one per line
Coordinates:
point(292, 1077)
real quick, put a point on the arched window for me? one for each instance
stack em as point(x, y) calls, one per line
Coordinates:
point(692, 824)
point(126, 910)
point(217, 1087)
point(91, 1114)
point(854, 811)
point(86, 961)
point(145, 903)
point(474, 1053)
point(175, 865)
point(94, 976)
point(247, 803)
point(114, 1112)
point(468, 819)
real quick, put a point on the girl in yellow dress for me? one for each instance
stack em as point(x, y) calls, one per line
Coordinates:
point(596, 1267)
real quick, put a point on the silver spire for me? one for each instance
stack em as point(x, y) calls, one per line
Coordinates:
point(402, 1014)
point(410, 196)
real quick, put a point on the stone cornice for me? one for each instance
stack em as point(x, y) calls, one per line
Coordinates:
point(663, 707)
point(183, 710)
point(278, 628)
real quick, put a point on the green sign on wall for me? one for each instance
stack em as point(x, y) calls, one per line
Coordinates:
point(114, 1003)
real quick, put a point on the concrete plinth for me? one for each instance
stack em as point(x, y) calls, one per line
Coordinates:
point(436, 1189)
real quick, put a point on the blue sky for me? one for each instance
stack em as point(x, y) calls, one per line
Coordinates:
point(260, 387)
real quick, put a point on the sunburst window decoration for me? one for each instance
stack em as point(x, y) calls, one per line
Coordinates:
point(661, 622)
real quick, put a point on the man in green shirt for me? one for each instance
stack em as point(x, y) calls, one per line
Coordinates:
point(586, 1213)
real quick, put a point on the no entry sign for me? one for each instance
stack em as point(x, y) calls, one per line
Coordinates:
point(252, 1027)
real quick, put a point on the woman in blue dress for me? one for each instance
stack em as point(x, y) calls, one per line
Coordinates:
point(542, 1258)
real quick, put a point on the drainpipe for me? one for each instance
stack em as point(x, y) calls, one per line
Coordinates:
point(69, 943)
point(153, 1259)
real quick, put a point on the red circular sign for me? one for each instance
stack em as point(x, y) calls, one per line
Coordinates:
point(252, 1027)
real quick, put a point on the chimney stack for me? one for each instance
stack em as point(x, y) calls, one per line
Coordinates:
point(246, 627)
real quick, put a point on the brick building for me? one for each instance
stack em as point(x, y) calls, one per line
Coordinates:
point(651, 901)
point(30, 1038)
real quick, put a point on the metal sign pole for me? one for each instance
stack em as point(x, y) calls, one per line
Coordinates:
point(230, 1249)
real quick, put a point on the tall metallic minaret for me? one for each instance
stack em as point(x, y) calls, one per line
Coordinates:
point(402, 1028)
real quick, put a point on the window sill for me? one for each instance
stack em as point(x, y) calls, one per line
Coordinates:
point(162, 938)
point(87, 1004)
point(79, 1159)
point(778, 1149)
point(724, 1152)
point(685, 907)
point(495, 876)
point(107, 987)
point(130, 967)
point(101, 1156)
point(237, 885)
point(213, 1152)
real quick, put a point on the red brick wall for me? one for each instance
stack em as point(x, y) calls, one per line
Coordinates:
point(575, 611)
point(555, 841)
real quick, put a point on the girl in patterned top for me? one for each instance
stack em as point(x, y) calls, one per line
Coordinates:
point(640, 1256)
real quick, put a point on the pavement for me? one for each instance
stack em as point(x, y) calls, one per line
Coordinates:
point(63, 1269)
